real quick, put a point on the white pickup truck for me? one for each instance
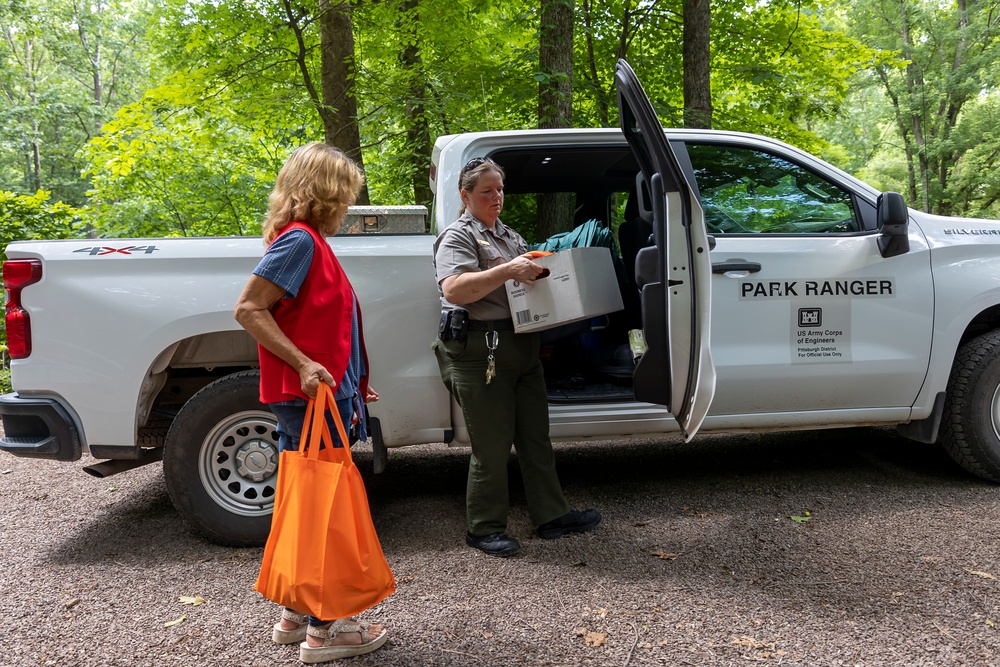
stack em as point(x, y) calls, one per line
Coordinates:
point(831, 305)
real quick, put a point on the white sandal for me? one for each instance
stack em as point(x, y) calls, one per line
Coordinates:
point(329, 651)
point(282, 636)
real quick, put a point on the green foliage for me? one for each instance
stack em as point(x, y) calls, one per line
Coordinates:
point(64, 68)
point(778, 69)
point(24, 217)
point(201, 102)
point(165, 167)
point(860, 131)
point(975, 180)
point(472, 80)
point(197, 155)
point(937, 65)
point(649, 36)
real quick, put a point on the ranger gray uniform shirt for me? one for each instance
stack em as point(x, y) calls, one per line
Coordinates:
point(469, 245)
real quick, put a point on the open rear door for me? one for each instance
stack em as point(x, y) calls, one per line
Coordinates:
point(674, 275)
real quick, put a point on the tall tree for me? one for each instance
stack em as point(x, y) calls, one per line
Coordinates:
point(422, 78)
point(555, 101)
point(610, 28)
point(697, 64)
point(90, 32)
point(555, 64)
point(335, 100)
point(340, 118)
point(418, 134)
point(22, 87)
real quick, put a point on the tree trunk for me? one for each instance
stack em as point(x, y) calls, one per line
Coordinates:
point(33, 173)
point(418, 133)
point(336, 106)
point(929, 96)
point(93, 52)
point(915, 129)
point(555, 64)
point(340, 119)
point(950, 109)
point(555, 102)
point(603, 97)
point(697, 64)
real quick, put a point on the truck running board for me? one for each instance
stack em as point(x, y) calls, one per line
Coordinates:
point(115, 466)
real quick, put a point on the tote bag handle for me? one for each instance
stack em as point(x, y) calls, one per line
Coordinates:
point(315, 413)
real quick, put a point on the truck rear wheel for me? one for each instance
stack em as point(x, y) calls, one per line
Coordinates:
point(220, 461)
point(970, 429)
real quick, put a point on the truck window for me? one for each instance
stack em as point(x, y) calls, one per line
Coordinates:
point(746, 191)
point(567, 185)
point(521, 210)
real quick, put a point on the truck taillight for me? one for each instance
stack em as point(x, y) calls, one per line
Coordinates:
point(17, 274)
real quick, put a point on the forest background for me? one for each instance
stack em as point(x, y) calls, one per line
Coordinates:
point(171, 117)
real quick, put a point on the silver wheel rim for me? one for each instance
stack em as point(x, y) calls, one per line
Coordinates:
point(995, 412)
point(238, 463)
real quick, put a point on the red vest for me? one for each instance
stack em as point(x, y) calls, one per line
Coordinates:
point(317, 320)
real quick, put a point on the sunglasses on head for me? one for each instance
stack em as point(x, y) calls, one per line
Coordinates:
point(475, 162)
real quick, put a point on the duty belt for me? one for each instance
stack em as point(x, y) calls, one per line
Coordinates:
point(495, 325)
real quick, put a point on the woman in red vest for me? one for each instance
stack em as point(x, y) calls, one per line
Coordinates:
point(302, 310)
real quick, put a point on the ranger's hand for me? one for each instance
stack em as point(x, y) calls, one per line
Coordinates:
point(523, 269)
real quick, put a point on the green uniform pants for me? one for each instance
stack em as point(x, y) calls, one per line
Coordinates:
point(511, 409)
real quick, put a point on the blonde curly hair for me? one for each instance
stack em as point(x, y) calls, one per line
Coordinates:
point(315, 186)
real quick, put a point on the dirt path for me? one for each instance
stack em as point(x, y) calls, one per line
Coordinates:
point(892, 560)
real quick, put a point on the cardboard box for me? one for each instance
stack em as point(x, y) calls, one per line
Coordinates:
point(581, 284)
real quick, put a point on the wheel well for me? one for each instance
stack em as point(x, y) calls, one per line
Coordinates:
point(182, 370)
point(987, 320)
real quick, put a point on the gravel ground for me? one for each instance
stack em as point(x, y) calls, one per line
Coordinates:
point(893, 561)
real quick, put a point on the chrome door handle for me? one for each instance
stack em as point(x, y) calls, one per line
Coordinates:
point(726, 267)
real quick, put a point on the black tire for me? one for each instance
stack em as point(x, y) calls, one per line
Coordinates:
point(970, 428)
point(220, 462)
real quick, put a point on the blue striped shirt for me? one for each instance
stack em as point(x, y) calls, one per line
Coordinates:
point(286, 264)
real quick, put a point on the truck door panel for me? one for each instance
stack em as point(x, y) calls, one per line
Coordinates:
point(807, 313)
point(674, 274)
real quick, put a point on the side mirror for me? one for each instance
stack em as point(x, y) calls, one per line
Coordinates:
point(893, 223)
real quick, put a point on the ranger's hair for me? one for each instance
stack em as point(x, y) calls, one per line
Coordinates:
point(314, 186)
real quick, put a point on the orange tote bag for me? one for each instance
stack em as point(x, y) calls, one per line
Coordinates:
point(322, 556)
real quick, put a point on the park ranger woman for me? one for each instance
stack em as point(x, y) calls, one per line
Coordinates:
point(495, 374)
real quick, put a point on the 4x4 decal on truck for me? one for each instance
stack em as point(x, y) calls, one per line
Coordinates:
point(127, 250)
